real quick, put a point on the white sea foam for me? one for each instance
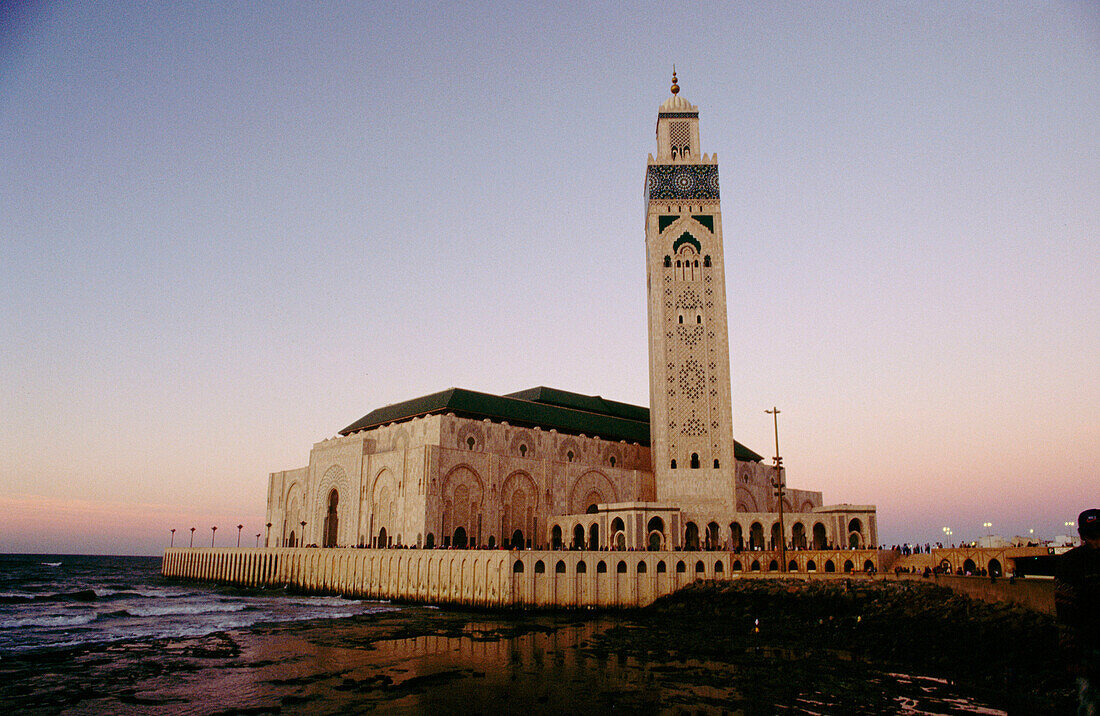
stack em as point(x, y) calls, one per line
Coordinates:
point(17, 595)
point(51, 564)
point(58, 621)
point(188, 609)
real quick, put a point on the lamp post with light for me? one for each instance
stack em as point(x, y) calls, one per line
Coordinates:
point(267, 536)
point(239, 528)
point(172, 541)
point(777, 483)
point(192, 537)
point(302, 539)
point(213, 530)
point(258, 540)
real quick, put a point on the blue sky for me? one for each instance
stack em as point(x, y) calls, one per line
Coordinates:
point(228, 230)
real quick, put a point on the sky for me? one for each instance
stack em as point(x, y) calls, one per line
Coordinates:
point(228, 230)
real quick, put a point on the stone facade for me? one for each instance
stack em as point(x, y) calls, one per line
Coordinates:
point(450, 470)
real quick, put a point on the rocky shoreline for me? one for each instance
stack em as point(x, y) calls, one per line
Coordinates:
point(750, 646)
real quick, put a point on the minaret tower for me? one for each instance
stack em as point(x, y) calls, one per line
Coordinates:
point(691, 423)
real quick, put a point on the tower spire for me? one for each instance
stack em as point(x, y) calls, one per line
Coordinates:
point(675, 87)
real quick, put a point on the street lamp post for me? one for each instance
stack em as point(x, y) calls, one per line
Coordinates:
point(192, 537)
point(172, 541)
point(267, 536)
point(777, 483)
point(258, 539)
point(239, 528)
point(302, 538)
point(213, 530)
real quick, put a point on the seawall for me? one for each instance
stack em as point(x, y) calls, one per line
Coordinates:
point(491, 578)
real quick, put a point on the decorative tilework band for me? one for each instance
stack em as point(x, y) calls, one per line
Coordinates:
point(682, 181)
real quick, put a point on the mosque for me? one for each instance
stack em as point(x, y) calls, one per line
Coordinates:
point(546, 468)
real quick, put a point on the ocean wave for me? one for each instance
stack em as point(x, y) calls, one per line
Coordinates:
point(50, 564)
point(84, 595)
point(58, 621)
point(187, 609)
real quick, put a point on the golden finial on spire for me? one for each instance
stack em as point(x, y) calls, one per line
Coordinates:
point(675, 87)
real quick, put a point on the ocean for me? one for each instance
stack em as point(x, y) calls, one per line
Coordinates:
point(93, 635)
point(54, 601)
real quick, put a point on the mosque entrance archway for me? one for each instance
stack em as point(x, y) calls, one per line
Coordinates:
point(737, 540)
point(517, 540)
point(994, 568)
point(578, 537)
point(656, 529)
point(332, 521)
point(820, 540)
point(594, 536)
point(292, 542)
point(691, 536)
point(969, 567)
point(459, 540)
point(382, 538)
point(756, 536)
point(555, 537)
point(713, 542)
point(798, 536)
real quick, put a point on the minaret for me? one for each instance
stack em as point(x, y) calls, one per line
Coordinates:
point(691, 423)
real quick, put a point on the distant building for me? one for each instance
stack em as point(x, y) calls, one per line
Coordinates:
point(550, 468)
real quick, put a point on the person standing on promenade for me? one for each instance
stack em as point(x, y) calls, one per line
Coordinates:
point(1077, 603)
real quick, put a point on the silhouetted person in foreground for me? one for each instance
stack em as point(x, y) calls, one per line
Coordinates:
point(1077, 601)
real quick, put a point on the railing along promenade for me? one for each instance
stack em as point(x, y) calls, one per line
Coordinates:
point(496, 578)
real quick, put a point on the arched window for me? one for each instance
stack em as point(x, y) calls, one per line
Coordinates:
point(811, 566)
point(523, 450)
point(560, 567)
point(661, 569)
point(470, 442)
point(829, 566)
point(848, 566)
point(459, 539)
point(517, 567)
point(699, 567)
point(681, 567)
point(698, 319)
point(540, 568)
point(555, 537)
point(594, 536)
point(715, 463)
point(681, 319)
point(755, 566)
point(429, 541)
point(612, 460)
point(718, 568)
point(668, 261)
point(736, 566)
point(582, 568)
point(621, 567)
point(578, 537)
point(792, 566)
point(695, 461)
point(673, 465)
point(641, 567)
point(601, 567)
point(569, 456)
point(773, 566)
point(678, 266)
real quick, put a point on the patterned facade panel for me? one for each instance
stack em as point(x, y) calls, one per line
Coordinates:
point(682, 182)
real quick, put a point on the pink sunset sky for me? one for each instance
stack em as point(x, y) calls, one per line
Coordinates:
point(228, 231)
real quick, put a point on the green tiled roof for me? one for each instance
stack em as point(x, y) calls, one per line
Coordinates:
point(546, 408)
